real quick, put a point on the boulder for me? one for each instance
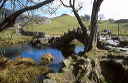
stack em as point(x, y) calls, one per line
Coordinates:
point(46, 59)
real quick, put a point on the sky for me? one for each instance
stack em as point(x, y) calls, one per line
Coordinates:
point(116, 9)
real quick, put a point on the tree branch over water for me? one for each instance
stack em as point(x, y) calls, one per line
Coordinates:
point(10, 20)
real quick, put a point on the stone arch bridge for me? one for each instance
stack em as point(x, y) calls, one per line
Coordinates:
point(61, 41)
point(66, 38)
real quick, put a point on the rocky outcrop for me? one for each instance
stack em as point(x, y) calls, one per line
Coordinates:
point(115, 69)
point(46, 59)
point(78, 69)
point(107, 69)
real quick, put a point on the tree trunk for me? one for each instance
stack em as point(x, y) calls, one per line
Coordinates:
point(84, 29)
point(94, 24)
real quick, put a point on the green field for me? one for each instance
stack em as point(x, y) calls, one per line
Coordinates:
point(61, 24)
point(9, 38)
point(58, 26)
point(123, 27)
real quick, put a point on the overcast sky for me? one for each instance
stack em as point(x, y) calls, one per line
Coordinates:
point(116, 9)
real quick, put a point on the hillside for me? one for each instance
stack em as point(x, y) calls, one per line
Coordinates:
point(123, 27)
point(57, 26)
point(64, 22)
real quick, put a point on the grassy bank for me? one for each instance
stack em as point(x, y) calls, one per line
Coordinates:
point(9, 38)
point(20, 70)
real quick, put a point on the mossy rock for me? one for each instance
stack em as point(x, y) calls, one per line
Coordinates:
point(46, 59)
point(66, 77)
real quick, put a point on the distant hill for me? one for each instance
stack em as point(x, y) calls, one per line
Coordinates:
point(64, 20)
point(58, 25)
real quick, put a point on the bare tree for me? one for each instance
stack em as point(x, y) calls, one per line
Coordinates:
point(94, 24)
point(88, 39)
point(75, 11)
point(2, 3)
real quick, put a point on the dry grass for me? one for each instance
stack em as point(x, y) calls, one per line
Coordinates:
point(21, 70)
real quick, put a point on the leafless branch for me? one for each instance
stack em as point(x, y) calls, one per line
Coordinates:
point(64, 4)
point(73, 3)
point(4, 1)
point(9, 21)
